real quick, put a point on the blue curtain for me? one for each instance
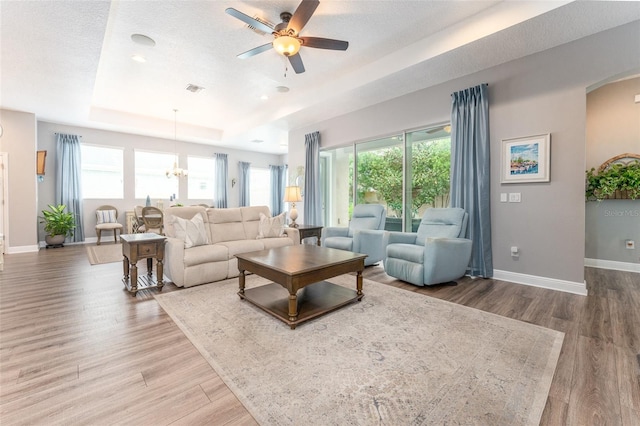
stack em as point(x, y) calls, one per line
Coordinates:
point(244, 169)
point(222, 173)
point(68, 182)
point(277, 188)
point(312, 195)
point(470, 171)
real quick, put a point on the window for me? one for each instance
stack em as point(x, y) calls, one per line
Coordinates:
point(408, 173)
point(151, 178)
point(201, 178)
point(101, 173)
point(259, 186)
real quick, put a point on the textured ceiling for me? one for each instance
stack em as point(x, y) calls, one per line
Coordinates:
point(70, 61)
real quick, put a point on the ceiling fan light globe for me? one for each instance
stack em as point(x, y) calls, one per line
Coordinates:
point(286, 45)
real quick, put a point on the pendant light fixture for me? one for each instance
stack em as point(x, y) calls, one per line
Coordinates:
point(176, 171)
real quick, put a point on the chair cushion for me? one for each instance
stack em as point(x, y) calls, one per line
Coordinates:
point(271, 227)
point(341, 243)
point(192, 232)
point(446, 223)
point(410, 252)
point(367, 216)
point(108, 226)
point(106, 216)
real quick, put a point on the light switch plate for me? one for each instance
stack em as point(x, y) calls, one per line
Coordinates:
point(514, 197)
point(503, 197)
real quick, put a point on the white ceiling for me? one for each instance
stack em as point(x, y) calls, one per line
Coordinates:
point(70, 61)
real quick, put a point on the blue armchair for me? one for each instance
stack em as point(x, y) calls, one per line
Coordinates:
point(365, 233)
point(436, 254)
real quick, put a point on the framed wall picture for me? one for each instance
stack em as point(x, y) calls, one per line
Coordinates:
point(41, 157)
point(526, 160)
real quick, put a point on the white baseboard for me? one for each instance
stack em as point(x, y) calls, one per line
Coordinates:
point(612, 264)
point(21, 249)
point(43, 244)
point(543, 282)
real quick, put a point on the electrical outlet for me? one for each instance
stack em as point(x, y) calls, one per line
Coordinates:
point(514, 197)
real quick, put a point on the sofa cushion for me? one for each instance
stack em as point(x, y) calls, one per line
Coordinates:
point(186, 212)
point(225, 225)
point(205, 254)
point(270, 243)
point(271, 227)
point(251, 219)
point(242, 246)
point(192, 232)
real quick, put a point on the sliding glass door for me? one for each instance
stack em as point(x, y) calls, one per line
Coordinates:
point(428, 160)
point(379, 175)
point(407, 173)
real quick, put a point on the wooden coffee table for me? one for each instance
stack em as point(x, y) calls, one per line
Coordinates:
point(301, 270)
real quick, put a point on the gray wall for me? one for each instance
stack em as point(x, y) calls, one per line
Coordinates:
point(46, 189)
point(541, 93)
point(613, 128)
point(19, 141)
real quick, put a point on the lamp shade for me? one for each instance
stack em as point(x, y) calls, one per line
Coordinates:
point(292, 194)
point(286, 45)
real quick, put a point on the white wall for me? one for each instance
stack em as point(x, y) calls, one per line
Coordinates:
point(19, 141)
point(46, 189)
point(541, 93)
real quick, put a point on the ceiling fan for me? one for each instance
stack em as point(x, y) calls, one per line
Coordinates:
point(287, 40)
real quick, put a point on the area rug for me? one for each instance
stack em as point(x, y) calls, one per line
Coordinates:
point(105, 253)
point(395, 358)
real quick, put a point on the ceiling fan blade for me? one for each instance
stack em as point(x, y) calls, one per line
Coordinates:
point(255, 51)
point(296, 63)
point(324, 43)
point(302, 15)
point(249, 20)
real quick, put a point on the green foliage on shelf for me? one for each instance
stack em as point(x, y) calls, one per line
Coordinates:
point(617, 177)
point(57, 222)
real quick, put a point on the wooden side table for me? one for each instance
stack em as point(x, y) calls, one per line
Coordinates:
point(307, 231)
point(142, 246)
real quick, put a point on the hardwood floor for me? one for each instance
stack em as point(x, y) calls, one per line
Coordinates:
point(76, 348)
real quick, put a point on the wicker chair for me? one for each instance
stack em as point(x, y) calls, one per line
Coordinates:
point(152, 218)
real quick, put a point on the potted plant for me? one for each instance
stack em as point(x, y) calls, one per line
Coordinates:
point(57, 224)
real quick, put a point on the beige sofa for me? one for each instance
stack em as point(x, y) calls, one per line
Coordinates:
point(228, 232)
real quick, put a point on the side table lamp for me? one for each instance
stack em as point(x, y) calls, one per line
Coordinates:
point(292, 195)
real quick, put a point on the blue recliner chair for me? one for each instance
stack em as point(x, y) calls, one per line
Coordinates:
point(436, 254)
point(365, 233)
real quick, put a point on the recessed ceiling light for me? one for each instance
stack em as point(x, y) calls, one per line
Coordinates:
point(143, 40)
point(282, 89)
point(139, 58)
point(264, 97)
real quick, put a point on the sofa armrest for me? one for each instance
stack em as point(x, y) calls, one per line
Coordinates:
point(402, 237)
point(294, 234)
point(174, 260)
point(334, 231)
